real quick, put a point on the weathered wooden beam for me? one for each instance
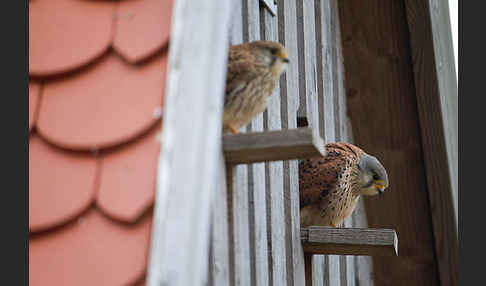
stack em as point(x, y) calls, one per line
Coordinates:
point(299, 143)
point(308, 106)
point(327, 73)
point(290, 94)
point(381, 97)
point(349, 241)
point(274, 173)
point(237, 188)
point(190, 142)
point(437, 102)
point(257, 180)
point(219, 244)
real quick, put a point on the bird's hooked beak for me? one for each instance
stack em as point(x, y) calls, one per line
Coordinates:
point(283, 55)
point(380, 186)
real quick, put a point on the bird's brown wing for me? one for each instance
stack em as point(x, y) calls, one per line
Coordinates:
point(236, 79)
point(344, 148)
point(240, 70)
point(319, 177)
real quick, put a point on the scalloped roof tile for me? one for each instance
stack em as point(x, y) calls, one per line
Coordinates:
point(75, 108)
point(126, 187)
point(96, 93)
point(138, 34)
point(67, 34)
point(61, 184)
point(92, 250)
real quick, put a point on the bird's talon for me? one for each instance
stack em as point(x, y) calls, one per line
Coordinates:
point(233, 129)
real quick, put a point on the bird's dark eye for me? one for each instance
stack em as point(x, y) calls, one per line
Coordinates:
point(375, 177)
point(273, 51)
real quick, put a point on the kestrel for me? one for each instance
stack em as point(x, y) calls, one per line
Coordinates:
point(253, 70)
point(330, 187)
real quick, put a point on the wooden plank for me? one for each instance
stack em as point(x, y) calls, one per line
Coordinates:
point(190, 142)
point(325, 269)
point(309, 269)
point(363, 264)
point(350, 241)
point(381, 100)
point(238, 215)
point(346, 263)
point(332, 271)
point(335, 265)
point(318, 270)
point(274, 176)
point(256, 172)
point(349, 272)
point(340, 101)
point(328, 100)
point(299, 143)
point(236, 35)
point(437, 101)
point(349, 260)
point(325, 88)
point(308, 107)
point(219, 258)
point(287, 27)
point(309, 101)
point(237, 180)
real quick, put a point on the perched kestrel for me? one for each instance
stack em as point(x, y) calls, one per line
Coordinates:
point(253, 69)
point(330, 187)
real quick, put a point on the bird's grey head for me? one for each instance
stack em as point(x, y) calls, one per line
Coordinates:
point(273, 55)
point(373, 177)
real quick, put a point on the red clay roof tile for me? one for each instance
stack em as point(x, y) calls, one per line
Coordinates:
point(142, 28)
point(67, 34)
point(61, 184)
point(93, 250)
point(89, 216)
point(127, 184)
point(108, 104)
point(142, 282)
point(34, 90)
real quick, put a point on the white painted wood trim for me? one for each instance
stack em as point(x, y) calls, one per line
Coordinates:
point(191, 141)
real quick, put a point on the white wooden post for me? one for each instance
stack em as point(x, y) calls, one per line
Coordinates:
point(191, 143)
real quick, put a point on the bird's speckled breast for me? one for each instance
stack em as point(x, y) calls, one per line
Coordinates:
point(252, 101)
